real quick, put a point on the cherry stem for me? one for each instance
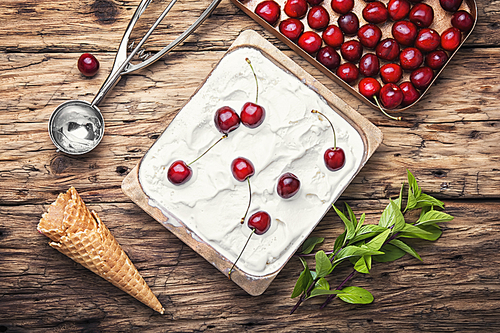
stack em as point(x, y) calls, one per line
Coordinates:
point(206, 151)
point(256, 81)
point(249, 201)
point(334, 136)
point(382, 110)
point(232, 267)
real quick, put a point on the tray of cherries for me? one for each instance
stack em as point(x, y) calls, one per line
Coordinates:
point(388, 53)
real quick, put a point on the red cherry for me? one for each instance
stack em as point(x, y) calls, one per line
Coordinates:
point(375, 12)
point(436, 59)
point(348, 72)
point(351, 50)
point(462, 20)
point(269, 11)
point(295, 8)
point(450, 5)
point(333, 36)
point(411, 58)
point(334, 158)
point(391, 96)
point(369, 35)
point(88, 65)
point(242, 169)
point(318, 18)
point(314, 2)
point(260, 222)
point(328, 57)
point(421, 15)
point(398, 9)
point(388, 49)
point(226, 120)
point(291, 28)
point(427, 40)
point(288, 185)
point(349, 23)
point(415, 1)
point(179, 173)
point(410, 94)
point(422, 77)
point(391, 73)
point(450, 39)
point(369, 87)
point(369, 65)
point(252, 115)
point(404, 32)
point(342, 6)
point(310, 42)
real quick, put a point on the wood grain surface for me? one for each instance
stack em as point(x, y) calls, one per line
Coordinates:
point(449, 140)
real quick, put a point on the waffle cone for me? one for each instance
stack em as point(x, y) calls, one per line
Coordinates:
point(82, 236)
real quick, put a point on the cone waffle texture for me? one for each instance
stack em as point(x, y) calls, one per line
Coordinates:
point(81, 235)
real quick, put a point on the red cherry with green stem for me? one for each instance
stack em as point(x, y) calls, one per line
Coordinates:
point(342, 6)
point(260, 223)
point(450, 39)
point(242, 170)
point(288, 185)
point(391, 73)
point(369, 65)
point(351, 50)
point(450, 5)
point(436, 59)
point(410, 94)
point(375, 12)
point(369, 87)
point(369, 35)
point(333, 36)
point(411, 58)
point(269, 11)
point(427, 40)
point(348, 23)
point(388, 49)
point(226, 120)
point(421, 15)
point(318, 18)
point(310, 42)
point(462, 20)
point(88, 65)
point(404, 32)
point(348, 72)
point(391, 96)
point(295, 8)
point(398, 9)
point(328, 57)
point(252, 114)
point(291, 28)
point(422, 77)
point(334, 157)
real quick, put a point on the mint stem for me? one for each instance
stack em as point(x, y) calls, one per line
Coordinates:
point(331, 297)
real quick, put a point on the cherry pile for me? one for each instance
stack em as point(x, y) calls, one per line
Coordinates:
point(373, 62)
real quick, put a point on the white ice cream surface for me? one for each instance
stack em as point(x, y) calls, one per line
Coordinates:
point(291, 139)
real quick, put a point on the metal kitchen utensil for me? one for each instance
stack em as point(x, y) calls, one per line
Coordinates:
point(76, 127)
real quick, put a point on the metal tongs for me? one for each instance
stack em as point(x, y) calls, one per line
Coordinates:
point(62, 120)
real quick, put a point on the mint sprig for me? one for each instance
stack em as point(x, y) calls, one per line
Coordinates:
point(361, 245)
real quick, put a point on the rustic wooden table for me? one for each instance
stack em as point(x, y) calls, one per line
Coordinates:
point(449, 140)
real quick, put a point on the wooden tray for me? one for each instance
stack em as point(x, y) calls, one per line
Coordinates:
point(255, 285)
point(442, 21)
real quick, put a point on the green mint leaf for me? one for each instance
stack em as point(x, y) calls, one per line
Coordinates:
point(356, 295)
point(361, 265)
point(399, 200)
point(392, 216)
point(339, 242)
point(367, 231)
point(412, 184)
point(322, 284)
point(303, 282)
point(428, 232)
point(411, 202)
point(376, 243)
point(360, 223)
point(399, 220)
point(432, 217)
point(310, 243)
point(319, 292)
point(323, 264)
point(349, 226)
point(352, 217)
point(354, 251)
point(405, 247)
point(425, 200)
point(391, 253)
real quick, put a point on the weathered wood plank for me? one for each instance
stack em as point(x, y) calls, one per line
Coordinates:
point(456, 284)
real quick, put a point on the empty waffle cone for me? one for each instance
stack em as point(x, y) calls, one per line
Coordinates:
point(81, 235)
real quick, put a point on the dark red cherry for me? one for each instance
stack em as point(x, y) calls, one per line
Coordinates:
point(369, 35)
point(410, 94)
point(318, 18)
point(310, 42)
point(421, 15)
point(334, 158)
point(436, 59)
point(288, 185)
point(391, 73)
point(333, 36)
point(269, 11)
point(260, 222)
point(351, 50)
point(179, 173)
point(388, 49)
point(342, 6)
point(404, 32)
point(242, 168)
point(462, 20)
point(226, 120)
point(375, 12)
point(348, 72)
point(369, 65)
point(411, 58)
point(450, 39)
point(88, 65)
point(422, 77)
point(415, 1)
point(398, 9)
point(252, 115)
point(391, 96)
point(450, 5)
point(291, 28)
point(314, 2)
point(427, 40)
point(295, 8)
point(328, 57)
point(349, 23)
point(369, 87)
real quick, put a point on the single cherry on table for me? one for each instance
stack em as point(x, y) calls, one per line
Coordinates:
point(318, 18)
point(291, 28)
point(398, 9)
point(388, 49)
point(422, 77)
point(295, 8)
point(252, 115)
point(226, 120)
point(427, 40)
point(411, 58)
point(242, 169)
point(410, 94)
point(310, 42)
point(333, 36)
point(179, 172)
point(369, 35)
point(88, 65)
point(328, 57)
point(348, 23)
point(348, 72)
point(375, 12)
point(342, 6)
point(269, 10)
point(436, 59)
point(369, 87)
point(369, 65)
point(391, 73)
point(462, 20)
point(334, 157)
point(288, 185)
point(422, 15)
point(351, 50)
point(450, 5)
point(450, 39)
point(404, 32)
point(391, 96)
